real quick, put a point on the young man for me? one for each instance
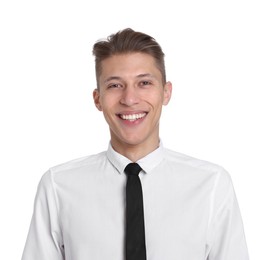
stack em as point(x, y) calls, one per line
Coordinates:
point(169, 206)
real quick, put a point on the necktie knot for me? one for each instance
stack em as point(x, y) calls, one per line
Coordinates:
point(132, 169)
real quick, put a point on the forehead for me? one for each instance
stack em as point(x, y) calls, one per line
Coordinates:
point(130, 63)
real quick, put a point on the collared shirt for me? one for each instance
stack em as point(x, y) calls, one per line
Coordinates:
point(190, 210)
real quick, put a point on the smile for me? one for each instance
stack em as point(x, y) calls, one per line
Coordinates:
point(132, 117)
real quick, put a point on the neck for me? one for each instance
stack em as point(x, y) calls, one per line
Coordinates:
point(135, 152)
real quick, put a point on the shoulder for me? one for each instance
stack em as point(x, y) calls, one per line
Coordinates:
point(74, 168)
point(180, 158)
point(220, 181)
point(71, 173)
point(90, 160)
point(196, 165)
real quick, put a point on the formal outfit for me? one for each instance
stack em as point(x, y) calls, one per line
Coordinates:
point(190, 210)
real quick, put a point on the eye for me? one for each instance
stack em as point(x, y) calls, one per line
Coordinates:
point(115, 85)
point(145, 83)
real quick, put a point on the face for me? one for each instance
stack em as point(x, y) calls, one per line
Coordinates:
point(131, 95)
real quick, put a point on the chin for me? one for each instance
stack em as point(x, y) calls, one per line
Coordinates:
point(133, 141)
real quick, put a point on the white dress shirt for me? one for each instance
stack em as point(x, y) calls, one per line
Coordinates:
point(190, 210)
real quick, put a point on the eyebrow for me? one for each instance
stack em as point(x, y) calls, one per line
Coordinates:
point(112, 78)
point(146, 75)
point(138, 76)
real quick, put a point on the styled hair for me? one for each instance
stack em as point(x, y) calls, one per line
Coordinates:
point(124, 42)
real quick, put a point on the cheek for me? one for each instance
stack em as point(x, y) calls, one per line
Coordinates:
point(109, 99)
point(108, 106)
point(153, 97)
point(105, 101)
point(157, 100)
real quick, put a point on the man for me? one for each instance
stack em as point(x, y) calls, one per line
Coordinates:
point(178, 207)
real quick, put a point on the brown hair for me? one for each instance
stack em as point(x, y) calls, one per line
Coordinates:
point(127, 41)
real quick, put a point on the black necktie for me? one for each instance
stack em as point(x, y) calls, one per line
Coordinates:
point(135, 231)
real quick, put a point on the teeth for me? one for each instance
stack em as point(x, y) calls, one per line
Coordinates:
point(132, 117)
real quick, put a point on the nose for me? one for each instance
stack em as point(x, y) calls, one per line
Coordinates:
point(130, 96)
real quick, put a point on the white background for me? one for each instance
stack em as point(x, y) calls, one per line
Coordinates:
point(218, 58)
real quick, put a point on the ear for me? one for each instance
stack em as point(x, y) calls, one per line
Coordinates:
point(96, 98)
point(167, 93)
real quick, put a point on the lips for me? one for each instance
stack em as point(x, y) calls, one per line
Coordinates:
point(132, 117)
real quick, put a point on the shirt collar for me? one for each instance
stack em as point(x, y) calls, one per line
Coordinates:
point(147, 163)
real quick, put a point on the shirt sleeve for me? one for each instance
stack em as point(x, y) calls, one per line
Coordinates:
point(226, 233)
point(44, 240)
